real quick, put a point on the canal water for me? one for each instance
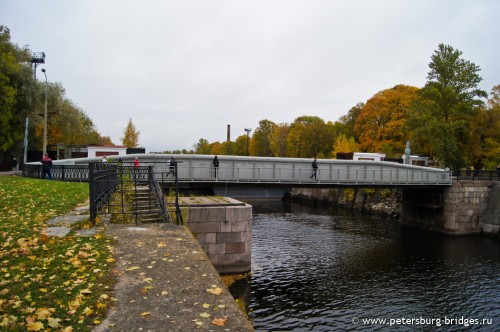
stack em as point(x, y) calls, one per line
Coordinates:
point(320, 269)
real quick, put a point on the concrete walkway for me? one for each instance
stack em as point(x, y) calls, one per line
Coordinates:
point(167, 283)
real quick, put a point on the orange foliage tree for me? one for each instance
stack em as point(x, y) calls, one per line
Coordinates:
point(380, 124)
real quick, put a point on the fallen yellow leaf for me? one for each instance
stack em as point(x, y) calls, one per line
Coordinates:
point(215, 291)
point(133, 268)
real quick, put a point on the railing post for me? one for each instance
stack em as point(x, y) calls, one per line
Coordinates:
point(93, 207)
point(178, 214)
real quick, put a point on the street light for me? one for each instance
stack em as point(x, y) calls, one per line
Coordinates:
point(45, 117)
point(248, 130)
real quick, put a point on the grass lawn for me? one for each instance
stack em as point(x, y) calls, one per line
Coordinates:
point(49, 283)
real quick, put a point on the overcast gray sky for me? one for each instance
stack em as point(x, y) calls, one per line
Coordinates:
point(184, 70)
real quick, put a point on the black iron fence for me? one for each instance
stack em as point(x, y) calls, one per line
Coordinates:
point(126, 190)
point(103, 182)
point(471, 174)
point(115, 189)
point(77, 173)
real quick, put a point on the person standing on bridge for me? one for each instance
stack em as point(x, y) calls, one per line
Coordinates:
point(171, 167)
point(216, 166)
point(315, 169)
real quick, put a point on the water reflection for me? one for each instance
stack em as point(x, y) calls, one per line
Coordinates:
point(315, 269)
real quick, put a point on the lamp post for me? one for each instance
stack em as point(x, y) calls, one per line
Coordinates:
point(45, 117)
point(248, 130)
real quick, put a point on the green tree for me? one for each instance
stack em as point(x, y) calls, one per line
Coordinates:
point(448, 103)
point(18, 95)
point(130, 137)
point(262, 138)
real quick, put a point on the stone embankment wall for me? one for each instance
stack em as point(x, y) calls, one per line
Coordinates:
point(466, 207)
point(224, 232)
point(376, 200)
point(491, 221)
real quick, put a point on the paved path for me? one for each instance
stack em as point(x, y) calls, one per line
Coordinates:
point(167, 283)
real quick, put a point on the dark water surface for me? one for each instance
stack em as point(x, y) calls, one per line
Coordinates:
point(317, 269)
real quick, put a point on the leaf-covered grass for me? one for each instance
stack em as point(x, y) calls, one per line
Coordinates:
point(48, 283)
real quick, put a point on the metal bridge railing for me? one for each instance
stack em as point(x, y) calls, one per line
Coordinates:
point(286, 175)
point(469, 174)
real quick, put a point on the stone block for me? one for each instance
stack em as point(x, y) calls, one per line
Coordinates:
point(228, 237)
point(235, 248)
point(246, 236)
point(207, 214)
point(205, 227)
point(206, 237)
point(239, 213)
point(216, 249)
point(226, 226)
point(241, 226)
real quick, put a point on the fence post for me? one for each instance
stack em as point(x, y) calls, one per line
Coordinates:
point(178, 214)
point(93, 207)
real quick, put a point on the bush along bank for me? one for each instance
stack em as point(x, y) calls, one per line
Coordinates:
point(369, 200)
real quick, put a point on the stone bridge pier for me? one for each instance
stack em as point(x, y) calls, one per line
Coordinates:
point(466, 207)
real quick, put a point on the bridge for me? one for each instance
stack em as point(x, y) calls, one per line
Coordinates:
point(239, 171)
point(430, 199)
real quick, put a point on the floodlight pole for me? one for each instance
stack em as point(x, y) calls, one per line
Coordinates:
point(45, 117)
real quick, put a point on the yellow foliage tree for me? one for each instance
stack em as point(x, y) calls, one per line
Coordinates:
point(130, 137)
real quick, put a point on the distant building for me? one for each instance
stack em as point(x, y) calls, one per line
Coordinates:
point(418, 160)
point(368, 156)
point(106, 150)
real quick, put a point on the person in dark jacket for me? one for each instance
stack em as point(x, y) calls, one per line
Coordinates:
point(171, 166)
point(216, 166)
point(14, 165)
point(46, 167)
point(315, 169)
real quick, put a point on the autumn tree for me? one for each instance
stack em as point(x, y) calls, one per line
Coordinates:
point(309, 136)
point(130, 137)
point(381, 121)
point(344, 144)
point(202, 147)
point(489, 138)
point(447, 104)
point(346, 123)
point(279, 139)
point(261, 139)
point(240, 147)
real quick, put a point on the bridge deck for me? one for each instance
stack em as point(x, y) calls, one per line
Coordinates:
point(241, 170)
